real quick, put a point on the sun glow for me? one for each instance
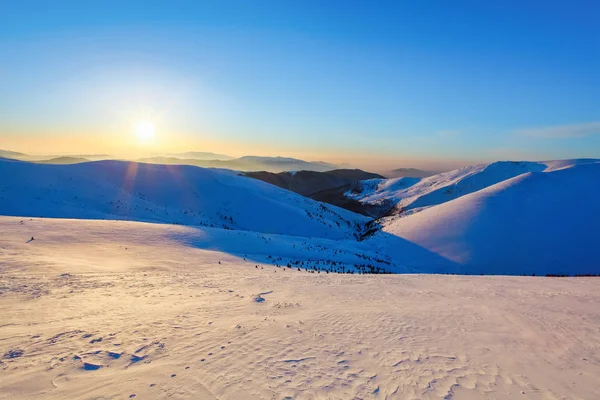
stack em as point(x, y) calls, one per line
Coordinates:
point(144, 132)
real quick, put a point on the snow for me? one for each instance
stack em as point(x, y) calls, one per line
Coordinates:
point(500, 218)
point(558, 164)
point(537, 222)
point(224, 287)
point(115, 309)
point(410, 193)
point(169, 194)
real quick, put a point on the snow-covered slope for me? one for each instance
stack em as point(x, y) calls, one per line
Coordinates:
point(415, 193)
point(170, 194)
point(505, 218)
point(319, 254)
point(553, 165)
point(130, 310)
point(538, 222)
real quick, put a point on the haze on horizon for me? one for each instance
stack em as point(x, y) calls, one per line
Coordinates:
point(377, 86)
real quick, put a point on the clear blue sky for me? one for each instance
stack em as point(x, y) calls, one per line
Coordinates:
point(393, 80)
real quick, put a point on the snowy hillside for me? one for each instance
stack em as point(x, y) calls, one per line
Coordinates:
point(538, 222)
point(170, 194)
point(130, 310)
point(502, 218)
point(415, 193)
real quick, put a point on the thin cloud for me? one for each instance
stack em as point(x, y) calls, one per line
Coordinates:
point(563, 131)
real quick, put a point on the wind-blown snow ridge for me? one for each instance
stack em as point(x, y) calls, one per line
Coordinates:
point(168, 194)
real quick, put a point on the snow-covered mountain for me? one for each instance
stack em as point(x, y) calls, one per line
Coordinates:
point(538, 222)
point(406, 194)
point(169, 194)
point(504, 217)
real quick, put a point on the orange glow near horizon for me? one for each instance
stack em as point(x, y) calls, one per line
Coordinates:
point(145, 141)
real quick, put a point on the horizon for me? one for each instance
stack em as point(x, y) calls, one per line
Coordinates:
point(382, 168)
point(393, 86)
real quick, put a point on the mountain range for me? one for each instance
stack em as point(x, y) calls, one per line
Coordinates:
point(498, 218)
point(409, 173)
point(538, 222)
point(247, 163)
point(199, 159)
point(195, 155)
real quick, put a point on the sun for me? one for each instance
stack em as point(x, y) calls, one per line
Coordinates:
point(144, 131)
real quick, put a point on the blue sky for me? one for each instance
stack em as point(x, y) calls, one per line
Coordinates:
point(356, 81)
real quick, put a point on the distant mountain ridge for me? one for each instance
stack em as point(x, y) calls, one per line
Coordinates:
point(64, 160)
point(309, 182)
point(196, 158)
point(409, 173)
point(196, 155)
point(10, 154)
point(50, 158)
point(288, 163)
point(247, 163)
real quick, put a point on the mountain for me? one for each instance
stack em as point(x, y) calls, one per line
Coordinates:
point(246, 163)
point(499, 218)
point(328, 187)
point(402, 195)
point(409, 173)
point(184, 161)
point(309, 182)
point(196, 155)
point(11, 154)
point(542, 222)
point(53, 159)
point(234, 164)
point(64, 160)
point(92, 157)
point(185, 195)
point(278, 164)
point(337, 196)
point(199, 159)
